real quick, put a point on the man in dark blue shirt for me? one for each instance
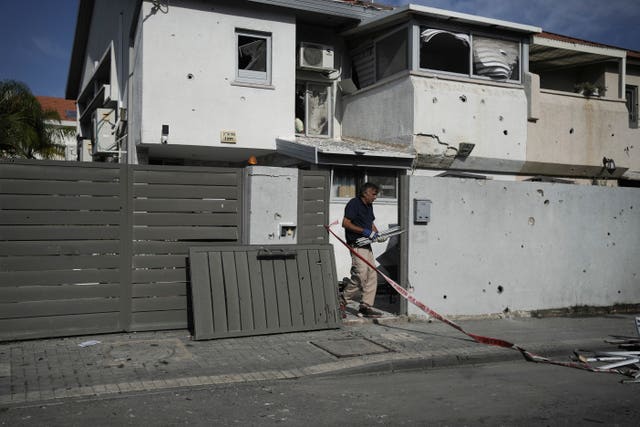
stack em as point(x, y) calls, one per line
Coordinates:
point(358, 221)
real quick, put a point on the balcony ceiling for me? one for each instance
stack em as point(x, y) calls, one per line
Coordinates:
point(347, 152)
point(543, 58)
point(550, 51)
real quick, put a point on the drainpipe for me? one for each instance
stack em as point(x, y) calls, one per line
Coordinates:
point(623, 76)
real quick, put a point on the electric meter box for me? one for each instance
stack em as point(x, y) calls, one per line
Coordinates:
point(421, 211)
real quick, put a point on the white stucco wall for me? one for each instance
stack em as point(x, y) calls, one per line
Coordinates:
point(110, 22)
point(578, 130)
point(491, 117)
point(271, 199)
point(493, 246)
point(199, 39)
point(383, 112)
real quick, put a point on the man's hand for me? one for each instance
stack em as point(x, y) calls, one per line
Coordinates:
point(369, 233)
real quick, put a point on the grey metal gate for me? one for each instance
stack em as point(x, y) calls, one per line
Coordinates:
point(61, 249)
point(251, 290)
point(93, 248)
point(174, 209)
point(313, 206)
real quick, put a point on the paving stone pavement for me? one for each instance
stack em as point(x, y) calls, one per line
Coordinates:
point(40, 370)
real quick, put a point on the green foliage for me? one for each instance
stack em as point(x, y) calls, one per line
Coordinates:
point(26, 130)
point(590, 89)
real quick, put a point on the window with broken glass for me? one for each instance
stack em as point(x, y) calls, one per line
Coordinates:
point(469, 54)
point(346, 182)
point(381, 57)
point(253, 64)
point(391, 53)
point(313, 109)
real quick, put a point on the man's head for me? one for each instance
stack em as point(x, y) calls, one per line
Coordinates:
point(369, 192)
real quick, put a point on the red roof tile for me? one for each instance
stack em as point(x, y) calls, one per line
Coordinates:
point(65, 107)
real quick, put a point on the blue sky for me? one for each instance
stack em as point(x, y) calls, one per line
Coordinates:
point(611, 22)
point(36, 36)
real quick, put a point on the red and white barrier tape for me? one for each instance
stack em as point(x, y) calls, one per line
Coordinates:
point(478, 338)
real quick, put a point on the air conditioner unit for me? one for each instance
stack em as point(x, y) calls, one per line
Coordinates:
point(314, 56)
point(104, 131)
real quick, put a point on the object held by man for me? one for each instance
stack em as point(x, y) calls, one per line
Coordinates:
point(379, 237)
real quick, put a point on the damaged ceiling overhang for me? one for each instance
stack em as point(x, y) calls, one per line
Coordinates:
point(550, 51)
point(361, 153)
point(347, 152)
point(517, 167)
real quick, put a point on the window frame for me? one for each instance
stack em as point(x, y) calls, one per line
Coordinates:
point(251, 76)
point(362, 176)
point(329, 88)
point(406, 28)
point(508, 80)
point(421, 26)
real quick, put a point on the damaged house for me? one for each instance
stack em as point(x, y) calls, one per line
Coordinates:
point(366, 91)
point(218, 138)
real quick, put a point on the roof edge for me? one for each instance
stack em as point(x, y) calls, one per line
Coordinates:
point(546, 35)
point(83, 23)
point(414, 9)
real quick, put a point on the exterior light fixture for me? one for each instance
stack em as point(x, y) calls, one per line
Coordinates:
point(464, 149)
point(609, 165)
point(252, 161)
point(164, 136)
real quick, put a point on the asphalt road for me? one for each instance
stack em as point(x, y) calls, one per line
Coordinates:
point(510, 393)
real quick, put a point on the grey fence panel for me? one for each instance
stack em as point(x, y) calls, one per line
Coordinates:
point(185, 191)
point(60, 249)
point(313, 210)
point(58, 232)
point(30, 217)
point(319, 295)
point(166, 247)
point(187, 205)
point(188, 219)
point(56, 171)
point(258, 305)
point(252, 290)
point(63, 262)
point(43, 292)
point(189, 176)
point(93, 248)
point(175, 208)
point(78, 277)
point(244, 290)
point(157, 289)
point(306, 290)
point(58, 202)
point(59, 187)
point(67, 325)
point(57, 248)
point(295, 294)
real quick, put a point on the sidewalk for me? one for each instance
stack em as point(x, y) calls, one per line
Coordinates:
point(41, 370)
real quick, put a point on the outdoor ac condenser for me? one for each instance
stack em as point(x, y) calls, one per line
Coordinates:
point(104, 131)
point(317, 57)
